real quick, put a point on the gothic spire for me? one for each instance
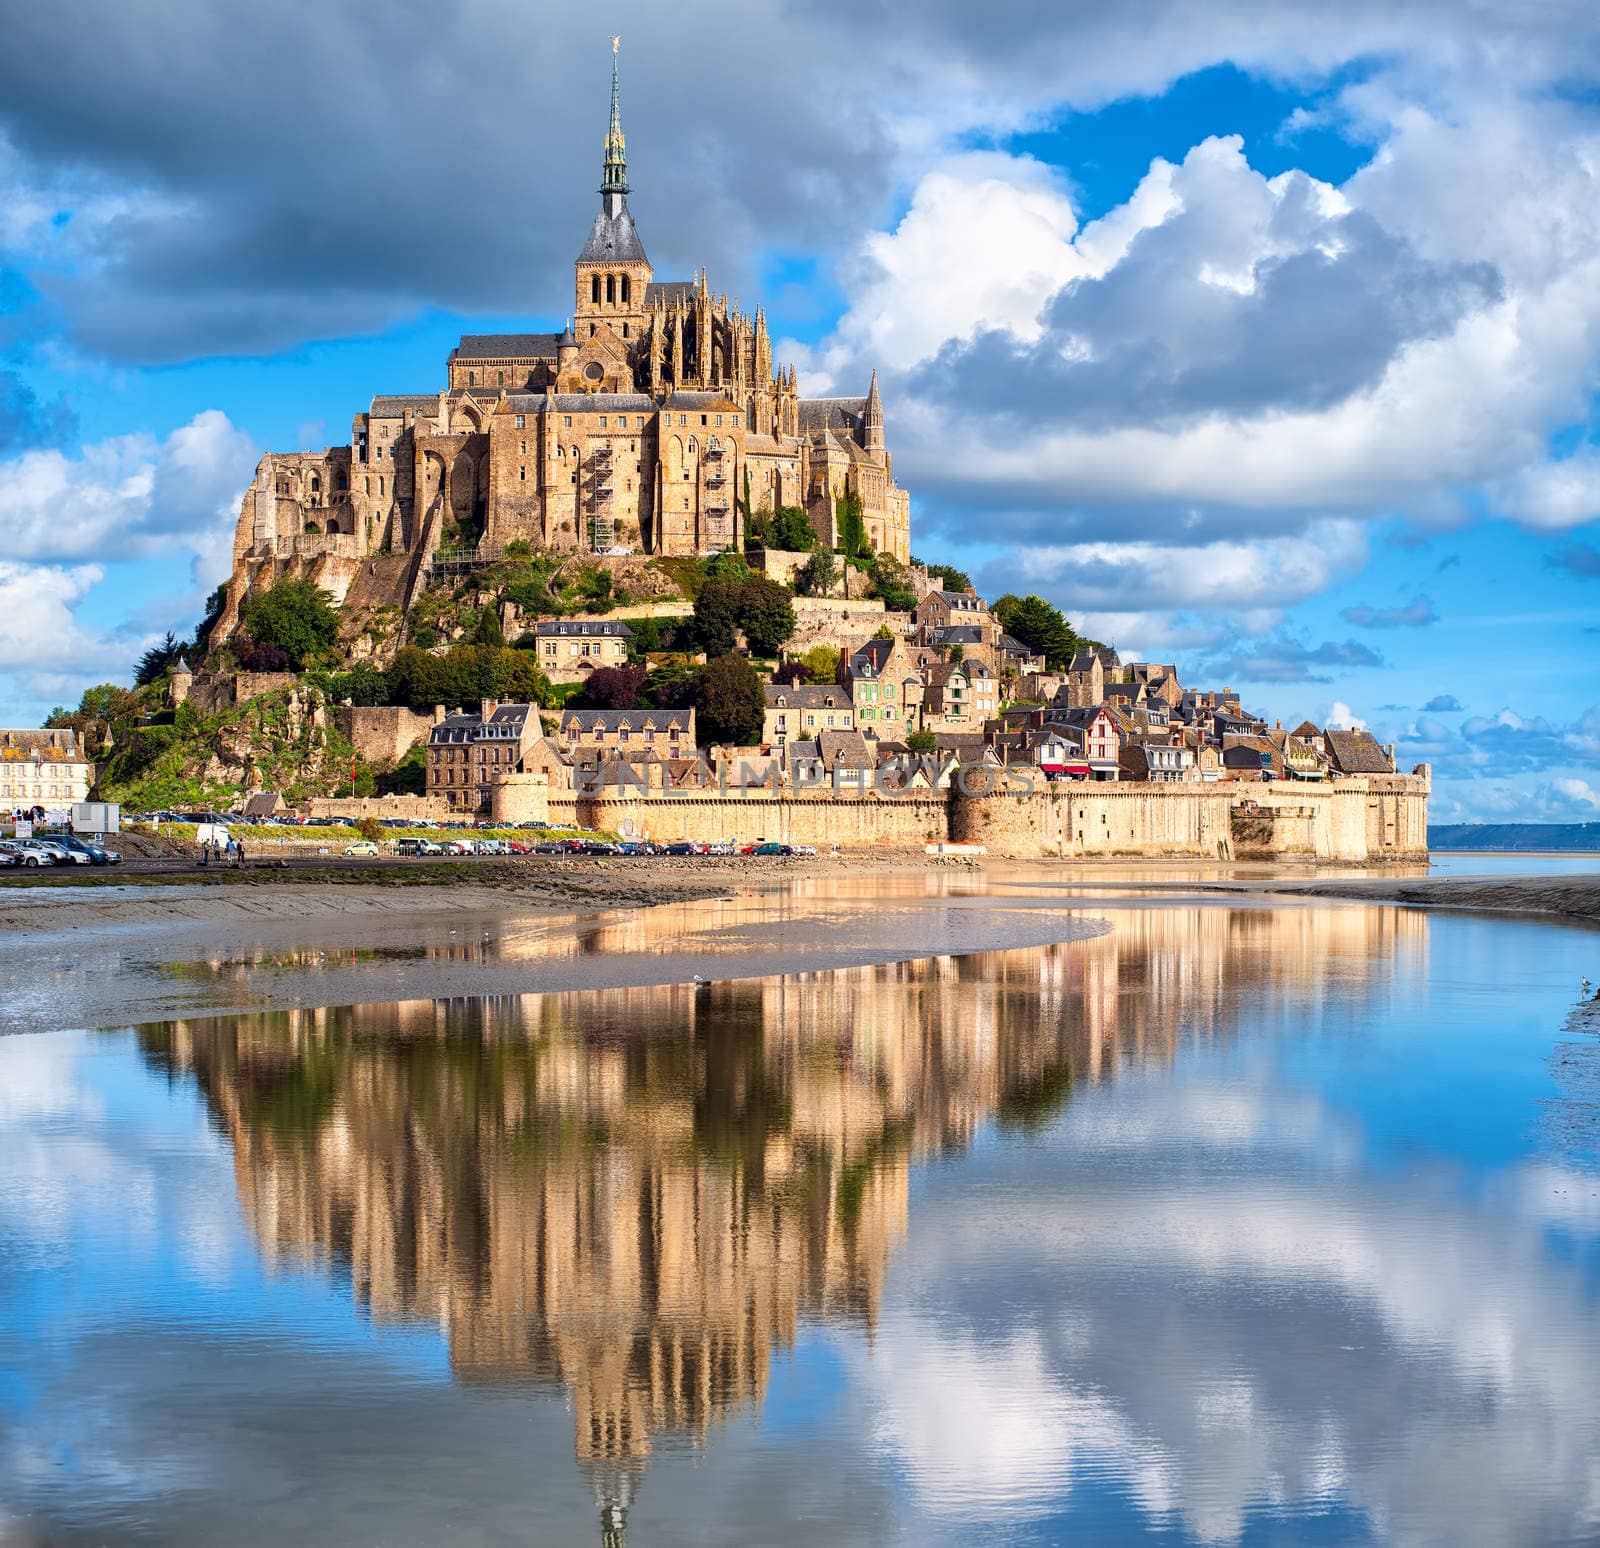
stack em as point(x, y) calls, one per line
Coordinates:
point(616, 162)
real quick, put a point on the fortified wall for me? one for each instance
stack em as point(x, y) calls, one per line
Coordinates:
point(1354, 820)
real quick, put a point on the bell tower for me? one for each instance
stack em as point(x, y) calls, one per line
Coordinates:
point(613, 273)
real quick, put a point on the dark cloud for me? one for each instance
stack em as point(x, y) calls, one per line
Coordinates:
point(1154, 343)
point(1412, 615)
point(1576, 559)
point(25, 421)
point(244, 179)
point(1442, 704)
point(1287, 660)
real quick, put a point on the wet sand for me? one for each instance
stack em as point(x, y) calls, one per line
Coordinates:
point(1569, 896)
point(124, 952)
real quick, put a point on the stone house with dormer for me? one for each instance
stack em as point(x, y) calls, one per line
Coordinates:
point(800, 712)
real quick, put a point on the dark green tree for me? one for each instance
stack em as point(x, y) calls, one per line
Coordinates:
point(922, 742)
point(671, 685)
point(818, 575)
point(1039, 626)
point(948, 577)
point(489, 630)
point(792, 530)
point(766, 614)
point(158, 660)
point(729, 702)
point(717, 611)
point(292, 616)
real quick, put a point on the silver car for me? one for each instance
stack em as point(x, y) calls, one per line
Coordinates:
point(28, 852)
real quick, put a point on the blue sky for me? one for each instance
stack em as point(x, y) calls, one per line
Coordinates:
point(1268, 346)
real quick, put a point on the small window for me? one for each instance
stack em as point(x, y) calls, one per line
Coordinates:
point(624, 330)
point(602, 421)
point(566, 421)
point(702, 419)
point(502, 376)
point(472, 381)
point(522, 447)
point(522, 421)
point(522, 474)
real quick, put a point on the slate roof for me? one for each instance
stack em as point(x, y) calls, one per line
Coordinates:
point(506, 346)
point(1357, 752)
point(582, 628)
point(808, 696)
point(395, 405)
point(871, 659)
point(667, 291)
point(958, 634)
point(1083, 660)
point(600, 402)
point(613, 239)
point(506, 724)
point(611, 720)
point(700, 400)
point(831, 413)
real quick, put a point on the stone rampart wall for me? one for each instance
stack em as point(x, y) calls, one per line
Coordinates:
point(382, 733)
point(357, 807)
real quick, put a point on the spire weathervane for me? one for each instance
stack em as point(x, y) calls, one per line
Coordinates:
point(616, 162)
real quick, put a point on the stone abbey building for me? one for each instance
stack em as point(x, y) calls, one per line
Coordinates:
point(637, 429)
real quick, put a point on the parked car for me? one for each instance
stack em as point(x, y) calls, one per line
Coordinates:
point(28, 852)
point(9, 857)
point(551, 847)
point(635, 847)
point(64, 856)
point(767, 849)
point(682, 847)
point(804, 849)
point(459, 847)
point(362, 847)
point(598, 847)
point(417, 846)
point(98, 853)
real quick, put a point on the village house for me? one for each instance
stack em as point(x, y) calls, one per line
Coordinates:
point(960, 696)
point(48, 770)
point(588, 736)
point(945, 609)
point(1156, 762)
point(1358, 752)
point(1095, 737)
point(803, 710)
point(468, 755)
point(886, 688)
point(569, 649)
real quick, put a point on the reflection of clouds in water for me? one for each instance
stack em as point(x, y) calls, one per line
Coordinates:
point(1222, 1335)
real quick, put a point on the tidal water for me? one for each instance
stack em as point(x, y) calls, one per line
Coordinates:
point(1227, 1224)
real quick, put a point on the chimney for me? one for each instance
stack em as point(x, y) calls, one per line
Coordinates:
point(1277, 725)
point(438, 713)
point(486, 708)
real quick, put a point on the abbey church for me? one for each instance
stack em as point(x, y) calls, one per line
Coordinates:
point(639, 429)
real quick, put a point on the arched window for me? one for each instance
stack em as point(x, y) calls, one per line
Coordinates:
point(472, 378)
point(611, 289)
point(502, 376)
point(626, 288)
point(594, 291)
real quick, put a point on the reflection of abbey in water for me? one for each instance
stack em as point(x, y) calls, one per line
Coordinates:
point(638, 1194)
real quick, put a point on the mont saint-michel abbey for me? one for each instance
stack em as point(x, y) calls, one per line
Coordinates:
point(636, 429)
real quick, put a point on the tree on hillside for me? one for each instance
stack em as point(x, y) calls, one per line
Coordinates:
point(611, 688)
point(1039, 626)
point(158, 660)
point(294, 617)
point(670, 685)
point(889, 583)
point(821, 663)
point(947, 576)
point(792, 529)
point(818, 575)
point(716, 614)
point(729, 702)
point(766, 614)
point(489, 630)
